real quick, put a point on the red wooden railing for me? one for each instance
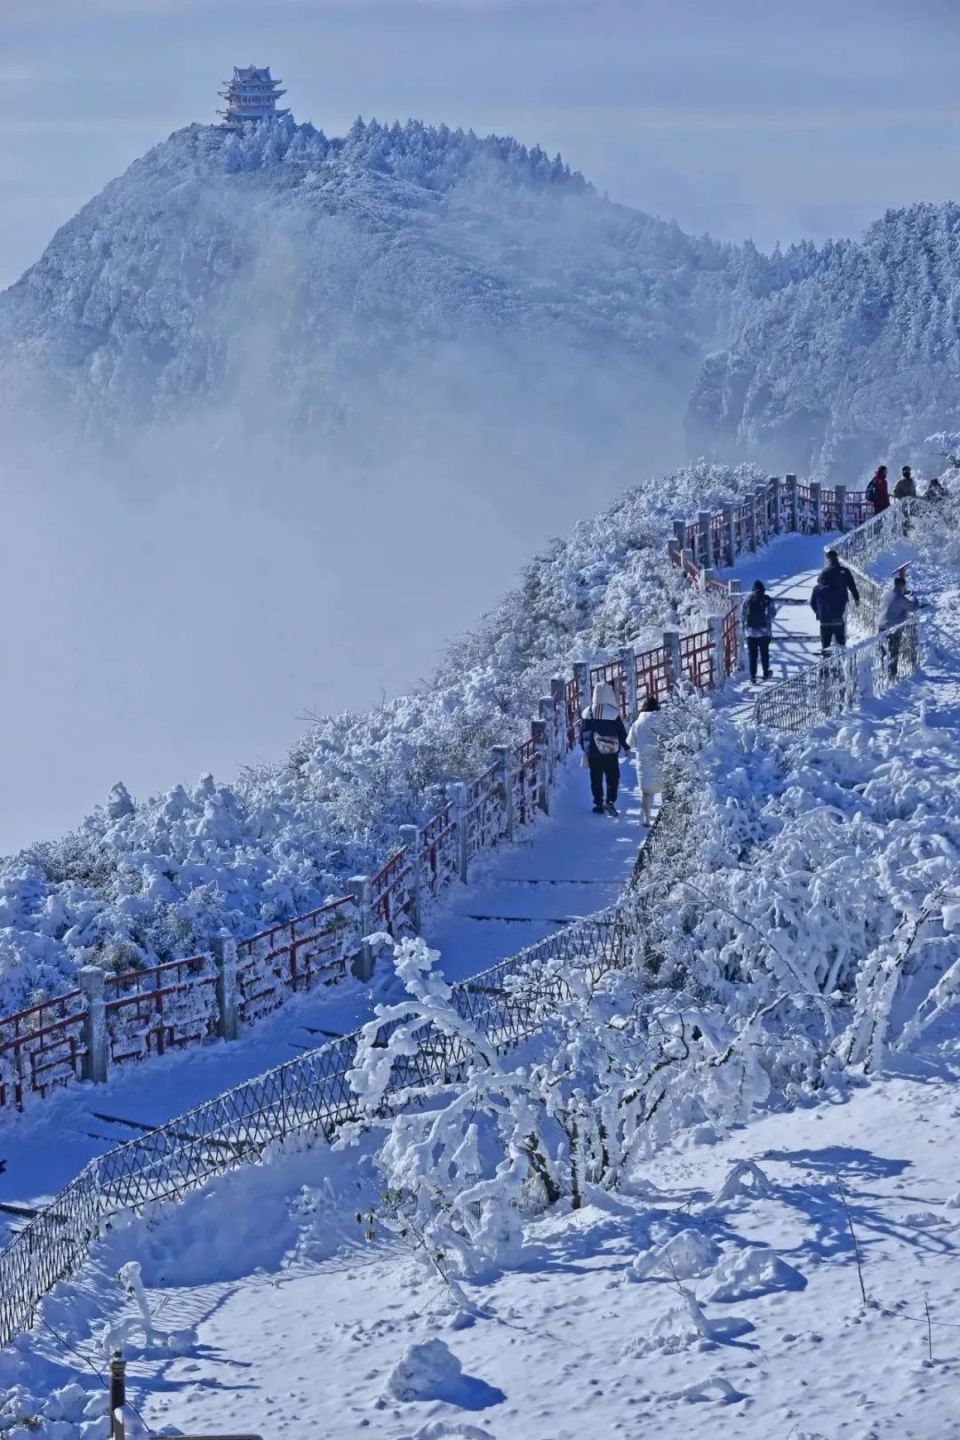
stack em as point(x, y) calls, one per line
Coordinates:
point(41, 1046)
point(160, 1008)
point(291, 956)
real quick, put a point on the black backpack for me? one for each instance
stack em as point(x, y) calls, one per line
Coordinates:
point(872, 490)
point(756, 612)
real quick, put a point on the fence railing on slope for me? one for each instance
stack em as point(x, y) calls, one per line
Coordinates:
point(113, 1019)
point(843, 679)
point(312, 1095)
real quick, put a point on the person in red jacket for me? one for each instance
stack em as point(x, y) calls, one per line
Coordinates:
point(877, 492)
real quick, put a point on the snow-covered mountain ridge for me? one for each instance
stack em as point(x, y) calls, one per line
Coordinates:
point(861, 355)
point(311, 273)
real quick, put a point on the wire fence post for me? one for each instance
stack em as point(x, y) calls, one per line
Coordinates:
point(410, 840)
point(118, 1394)
point(359, 887)
point(95, 1059)
point(457, 795)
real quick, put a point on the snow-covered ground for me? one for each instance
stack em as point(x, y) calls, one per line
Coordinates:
point(699, 1293)
point(570, 863)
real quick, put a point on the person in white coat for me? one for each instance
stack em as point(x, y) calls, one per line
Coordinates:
point(644, 737)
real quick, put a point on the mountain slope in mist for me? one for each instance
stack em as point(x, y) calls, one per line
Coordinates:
point(854, 360)
point(312, 283)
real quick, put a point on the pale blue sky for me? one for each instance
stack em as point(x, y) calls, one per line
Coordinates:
point(751, 117)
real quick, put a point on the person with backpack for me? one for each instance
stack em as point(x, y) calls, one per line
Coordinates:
point(898, 606)
point(878, 493)
point(906, 487)
point(602, 737)
point(758, 614)
point(835, 585)
point(644, 738)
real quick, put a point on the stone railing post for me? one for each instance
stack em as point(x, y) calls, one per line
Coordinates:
point(793, 501)
point(223, 948)
point(410, 840)
point(730, 531)
point(752, 537)
point(581, 673)
point(773, 486)
point(547, 716)
point(841, 493)
point(558, 693)
point(674, 551)
point(715, 626)
point(359, 887)
point(688, 557)
point(628, 662)
point(96, 1058)
point(671, 645)
point(760, 511)
point(541, 738)
point(457, 795)
point(816, 496)
point(501, 754)
point(680, 532)
point(705, 522)
point(736, 594)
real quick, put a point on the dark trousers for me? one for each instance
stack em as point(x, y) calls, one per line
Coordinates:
point(604, 767)
point(835, 632)
point(758, 645)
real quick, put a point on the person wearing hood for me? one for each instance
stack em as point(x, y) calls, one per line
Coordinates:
point(936, 490)
point(644, 738)
point(602, 737)
point(834, 586)
point(758, 613)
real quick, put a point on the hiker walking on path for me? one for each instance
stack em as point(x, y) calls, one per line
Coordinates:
point(906, 486)
point(878, 492)
point(898, 606)
point(644, 737)
point(835, 585)
point(602, 737)
point(758, 614)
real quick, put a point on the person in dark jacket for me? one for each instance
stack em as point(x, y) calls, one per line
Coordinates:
point(758, 613)
point(936, 490)
point(878, 492)
point(602, 737)
point(905, 488)
point(835, 585)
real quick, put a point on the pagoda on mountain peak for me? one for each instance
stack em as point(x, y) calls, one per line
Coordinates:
point(252, 94)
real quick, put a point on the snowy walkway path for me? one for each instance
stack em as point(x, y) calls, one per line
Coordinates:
point(570, 864)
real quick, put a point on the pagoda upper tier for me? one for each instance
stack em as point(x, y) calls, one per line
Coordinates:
point(252, 94)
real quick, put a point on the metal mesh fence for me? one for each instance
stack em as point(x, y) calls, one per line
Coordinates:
point(841, 680)
point(312, 1095)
